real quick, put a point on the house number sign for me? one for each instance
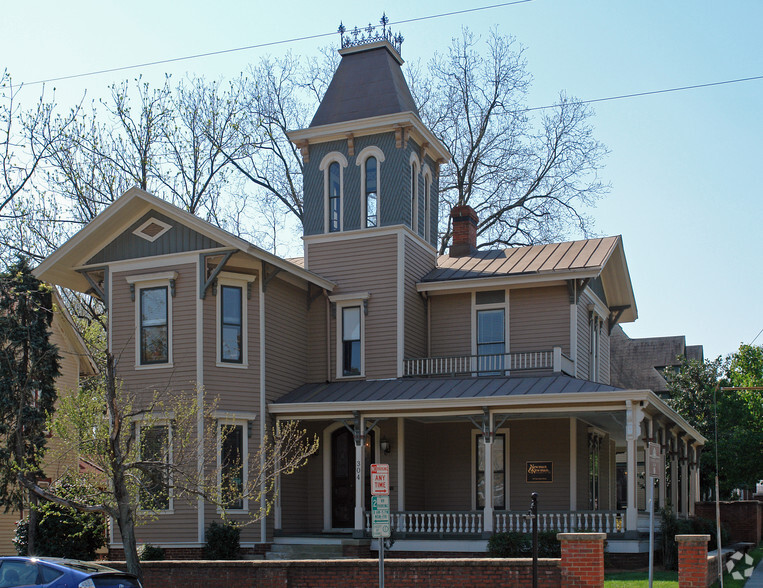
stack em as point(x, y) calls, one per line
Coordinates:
point(540, 471)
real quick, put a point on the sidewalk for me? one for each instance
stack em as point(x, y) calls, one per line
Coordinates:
point(756, 581)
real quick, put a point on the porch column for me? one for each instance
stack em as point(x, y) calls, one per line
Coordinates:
point(400, 464)
point(633, 416)
point(685, 476)
point(573, 463)
point(663, 477)
point(488, 511)
point(674, 470)
point(360, 427)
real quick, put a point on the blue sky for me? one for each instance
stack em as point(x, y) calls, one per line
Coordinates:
point(686, 195)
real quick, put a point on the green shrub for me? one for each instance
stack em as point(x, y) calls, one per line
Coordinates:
point(223, 542)
point(63, 531)
point(151, 553)
point(516, 544)
point(672, 526)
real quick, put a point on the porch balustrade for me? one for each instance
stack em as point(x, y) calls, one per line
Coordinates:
point(434, 522)
point(492, 364)
point(598, 521)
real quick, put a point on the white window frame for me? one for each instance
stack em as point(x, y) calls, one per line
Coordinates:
point(414, 179)
point(237, 281)
point(595, 325)
point(476, 434)
point(164, 420)
point(427, 173)
point(371, 151)
point(347, 301)
point(493, 306)
point(144, 282)
point(328, 159)
point(242, 420)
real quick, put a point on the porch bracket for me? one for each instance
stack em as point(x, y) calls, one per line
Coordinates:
point(312, 297)
point(267, 276)
point(615, 312)
point(205, 282)
point(359, 434)
point(100, 291)
point(484, 426)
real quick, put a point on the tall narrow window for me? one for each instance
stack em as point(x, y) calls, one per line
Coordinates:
point(593, 364)
point(335, 192)
point(155, 453)
point(427, 219)
point(414, 199)
point(351, 341)
point(154, 332)
point(491, 341)
point(232, 466)
point(231, 324)
point(371, 192)
point(594, 469)
point(499, 471)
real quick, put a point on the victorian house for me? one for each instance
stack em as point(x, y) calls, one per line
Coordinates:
point(478, 376)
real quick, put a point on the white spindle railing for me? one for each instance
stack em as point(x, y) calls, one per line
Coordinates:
point(434, 522)
point(498, 364)
point(565, 522)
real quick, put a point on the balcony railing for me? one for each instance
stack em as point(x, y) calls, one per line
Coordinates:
point(456, 523)
point(501, 364)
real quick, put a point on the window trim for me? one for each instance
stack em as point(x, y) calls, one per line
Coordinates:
point(147, 422)
point(237, 420)
point(492, 306)
point(328, 159)
point(360, 161)
point(235, 280)
point(475, 435)
point(414, 179)
point(138, 283)
point(348, 301)
point(427, 174)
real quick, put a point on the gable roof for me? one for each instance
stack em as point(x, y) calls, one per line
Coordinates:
point(586, 258)
point(368, 82)
point(61, 266)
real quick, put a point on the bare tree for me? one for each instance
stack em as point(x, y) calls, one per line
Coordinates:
point(145, 449)
point(527, 180)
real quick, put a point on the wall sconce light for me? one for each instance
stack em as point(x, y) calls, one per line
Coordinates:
point(384, 444)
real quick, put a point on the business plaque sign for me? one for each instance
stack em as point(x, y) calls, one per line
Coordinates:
point(540, 471)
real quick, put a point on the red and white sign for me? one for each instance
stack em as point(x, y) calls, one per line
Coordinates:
point(379, 479)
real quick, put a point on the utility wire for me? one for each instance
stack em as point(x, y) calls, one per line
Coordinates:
point(258, 46)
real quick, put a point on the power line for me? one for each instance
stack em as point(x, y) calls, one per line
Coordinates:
point(258, 45)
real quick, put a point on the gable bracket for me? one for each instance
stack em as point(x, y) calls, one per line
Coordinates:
point(268, 274)
point(204, 281)
point(100, 290)
point(575, 289)
point(312, 297)
point(615, 312)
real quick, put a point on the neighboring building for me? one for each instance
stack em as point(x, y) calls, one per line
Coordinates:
point(478, 376)
point(75, 362)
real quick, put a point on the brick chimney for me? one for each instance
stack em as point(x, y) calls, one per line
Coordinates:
point(464, 231)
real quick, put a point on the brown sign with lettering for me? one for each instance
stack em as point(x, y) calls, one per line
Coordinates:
point(540, 471)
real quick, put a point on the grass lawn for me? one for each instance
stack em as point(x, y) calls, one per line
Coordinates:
point(636, 579)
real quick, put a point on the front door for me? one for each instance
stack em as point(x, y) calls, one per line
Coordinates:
point(343, 477)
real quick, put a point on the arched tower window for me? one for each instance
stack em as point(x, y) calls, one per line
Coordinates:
point(332, 166)
point(414, 193)
point(427, 173)
point(371, 193)
point(369, 160)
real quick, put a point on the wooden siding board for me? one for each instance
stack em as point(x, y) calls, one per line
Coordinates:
point(539, 319)
point(451, 325)
point(448, 466)
point(418, 261)
point(584, 338)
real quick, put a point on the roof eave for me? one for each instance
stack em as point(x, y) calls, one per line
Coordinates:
point(493, 280)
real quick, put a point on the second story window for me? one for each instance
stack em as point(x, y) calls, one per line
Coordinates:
point(414, 196)
point(231, 324)
point(335, 194)
point(491, 341)
point(351, 364)
point(154, 325)
point(371, 192)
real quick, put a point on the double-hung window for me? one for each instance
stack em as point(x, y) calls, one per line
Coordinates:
point(232, 457)
point(370, 189)
point(153, 294)
point(351, 341)
point(156, 457)
point(350, 333)
point(499, 471)
point(490, 332)
point(232, 295)
point(332, 166)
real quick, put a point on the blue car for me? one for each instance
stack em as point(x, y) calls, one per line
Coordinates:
point(51, 572)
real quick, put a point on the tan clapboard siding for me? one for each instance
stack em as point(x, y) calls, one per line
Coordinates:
point(388, 430)
point(584, 338)
point(182, 525)
point(447, 447)
point(418, 263)
point(604, 348)
point(367, 264)
point(234, 387)
point(583, 466)
point(317, 341)
point(182, 374)
point(416, 455)
point(540, 440)
point(285, 338)
point(539, 319)
point(451, 325)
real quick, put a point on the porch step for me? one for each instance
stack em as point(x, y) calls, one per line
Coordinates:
point(306, 551)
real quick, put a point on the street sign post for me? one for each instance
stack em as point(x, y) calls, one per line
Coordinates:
point(653, 471)
point(380, 519)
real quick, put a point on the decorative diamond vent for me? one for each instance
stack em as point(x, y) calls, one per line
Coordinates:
point(152, 229)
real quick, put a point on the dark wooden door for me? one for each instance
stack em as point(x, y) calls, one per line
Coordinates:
point(342, 479)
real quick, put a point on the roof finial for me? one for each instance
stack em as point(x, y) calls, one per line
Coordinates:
point(373, 35)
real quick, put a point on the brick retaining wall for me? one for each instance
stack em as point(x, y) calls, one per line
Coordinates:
point(743, 518)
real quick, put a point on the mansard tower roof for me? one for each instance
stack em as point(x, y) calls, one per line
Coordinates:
point(368, 82)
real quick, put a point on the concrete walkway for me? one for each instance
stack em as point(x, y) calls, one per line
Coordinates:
point(756, 581)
